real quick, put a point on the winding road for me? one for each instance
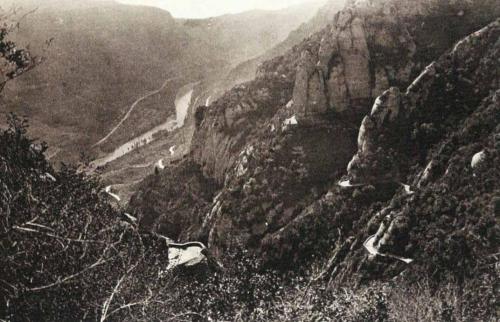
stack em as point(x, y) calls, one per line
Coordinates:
point(160, 164)
point(115, 196)
point(47, 175)
point(407, 188)
point(130, 217)
point(369, 244)
point(188, 254)
point(348, 184)
point(131, 109)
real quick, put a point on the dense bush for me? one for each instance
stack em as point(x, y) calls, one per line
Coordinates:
point(14, 61)
point(66, 256)
point(64, 250)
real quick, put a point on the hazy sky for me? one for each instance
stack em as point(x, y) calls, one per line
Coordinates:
point(210, 8)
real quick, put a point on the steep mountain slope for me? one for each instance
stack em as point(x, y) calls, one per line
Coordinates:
point(367, 49)
point(443, 133)
point(246, 70)
point(441, 137)
point(276, 144)
point(252, 33)
point(97, 67)
point(446, 116)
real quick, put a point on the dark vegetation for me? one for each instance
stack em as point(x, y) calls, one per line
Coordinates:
point(14, 61)
point(67, 255)
point(197, 192)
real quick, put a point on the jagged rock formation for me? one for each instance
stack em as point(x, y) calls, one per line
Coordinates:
point(445, 118)
point(368, 48)
point(451, 111)
point(384, 131)
point(377, 165)
point(277, 144)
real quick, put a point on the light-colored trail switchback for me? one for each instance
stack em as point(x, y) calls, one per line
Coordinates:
point(131, 109)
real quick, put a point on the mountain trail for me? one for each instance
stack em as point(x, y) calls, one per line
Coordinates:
point(131, 109)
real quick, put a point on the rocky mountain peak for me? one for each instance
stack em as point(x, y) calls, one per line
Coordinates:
point(276, 144)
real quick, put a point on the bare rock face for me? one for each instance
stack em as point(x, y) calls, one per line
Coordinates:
point(309, 91)
point(372, 45)
point(371, 163)
point(426, 137)
point(231, 122)
point(349, 75)
point(341, 70)
point(354, 54)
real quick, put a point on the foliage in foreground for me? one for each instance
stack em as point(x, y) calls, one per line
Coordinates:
point(65, 253)
point(67, 256)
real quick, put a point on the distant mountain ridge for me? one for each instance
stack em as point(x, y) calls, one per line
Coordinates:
point(246, 71)
point(103, 56)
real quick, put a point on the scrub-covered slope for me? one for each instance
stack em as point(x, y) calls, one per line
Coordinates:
point(443, 139)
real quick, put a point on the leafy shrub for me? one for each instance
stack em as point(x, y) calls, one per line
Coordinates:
point(64, 249)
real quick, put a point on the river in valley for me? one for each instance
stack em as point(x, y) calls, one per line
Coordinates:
point(182, 103)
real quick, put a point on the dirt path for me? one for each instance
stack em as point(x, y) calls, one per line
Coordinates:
point(369, 244)
point(115, 196)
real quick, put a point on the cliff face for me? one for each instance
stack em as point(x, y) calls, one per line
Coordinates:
point(443, 133)
point(368, 47)
point(278, 144)
point(441, 139)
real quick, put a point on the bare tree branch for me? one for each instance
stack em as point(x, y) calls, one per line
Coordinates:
point(67, 278)
point(108, 301)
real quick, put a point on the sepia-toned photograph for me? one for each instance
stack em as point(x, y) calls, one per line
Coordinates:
point(250, 160)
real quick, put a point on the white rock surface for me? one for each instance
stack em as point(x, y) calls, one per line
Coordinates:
point(115, 196)
point(477, 159)
point(160, 164)
point(189, 254)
